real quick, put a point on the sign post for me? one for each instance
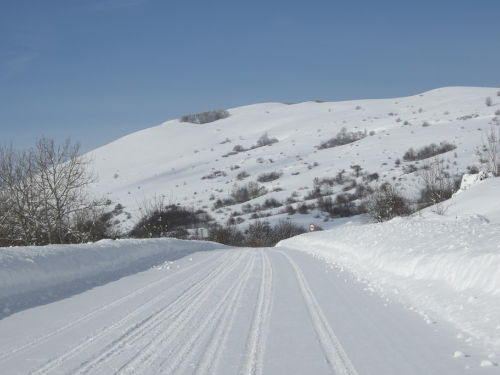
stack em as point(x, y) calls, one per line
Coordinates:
point(312, 227)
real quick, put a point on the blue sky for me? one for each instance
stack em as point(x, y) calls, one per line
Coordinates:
point(97, 70)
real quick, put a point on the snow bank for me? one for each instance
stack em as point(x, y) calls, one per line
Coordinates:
point(477, 196)
point(30, 273)
point(469, 180)
point(446, 269)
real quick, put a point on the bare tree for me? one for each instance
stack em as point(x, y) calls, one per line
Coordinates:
point(20, 199)
point(488, 152)
point(44, 191)
point(63, 179)
point(436, 185)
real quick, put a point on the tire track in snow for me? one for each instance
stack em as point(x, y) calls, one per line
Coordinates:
point(39, 340)
point(90, 340)
point(159, 345)
point(214, 327)
point(171, 316)
point(334, 353)
point(256, 343)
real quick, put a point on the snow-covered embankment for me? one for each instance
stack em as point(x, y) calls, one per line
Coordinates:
point(31, 274)
point(444, 269)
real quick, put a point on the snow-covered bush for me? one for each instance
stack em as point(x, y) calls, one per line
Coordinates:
point(205, 117)
point(471, 179)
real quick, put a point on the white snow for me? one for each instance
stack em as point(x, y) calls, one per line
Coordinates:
point(101, 306)
point(471, 179)
point(487, 363)
point(28, 274)
point(445, 269)
point(171, 159)
point(248, 311)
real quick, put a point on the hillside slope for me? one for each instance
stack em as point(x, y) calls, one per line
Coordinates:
point(173, 158)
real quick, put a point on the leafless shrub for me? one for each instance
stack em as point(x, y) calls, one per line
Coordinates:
point(247, 191)
point(264, 140)
point(386, 203)
point(488, 152)
point(271, 176)
point(214, 174)
point(342, 138)
point(428, 151)
point(468, 117)
point(436, 185)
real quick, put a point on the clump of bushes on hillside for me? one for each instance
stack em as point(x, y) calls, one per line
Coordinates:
point(205, 117)
point(160, 220)
point(257, 234)
point(271, 176)
point(342, 138)
point(246, 192)
point(385, 203)
point(214, 174)
point(264, 140)
point(428, 151)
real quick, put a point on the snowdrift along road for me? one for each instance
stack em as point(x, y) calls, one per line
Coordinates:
point(446, 269)
point(38, 274)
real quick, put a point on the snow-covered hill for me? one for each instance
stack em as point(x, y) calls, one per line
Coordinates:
point(445, 267)
point(195, 164)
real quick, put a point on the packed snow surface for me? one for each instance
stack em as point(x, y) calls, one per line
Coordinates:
point(234, 311)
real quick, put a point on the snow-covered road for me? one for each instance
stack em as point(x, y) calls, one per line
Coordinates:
point(236, 311)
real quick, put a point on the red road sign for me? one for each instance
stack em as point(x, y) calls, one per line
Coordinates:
point(312, 227)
